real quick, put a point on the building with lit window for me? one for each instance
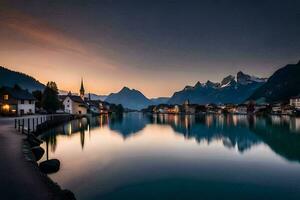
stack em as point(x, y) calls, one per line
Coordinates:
point(295, 102)
point(15, 101)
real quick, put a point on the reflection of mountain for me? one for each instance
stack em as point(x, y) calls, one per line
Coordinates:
point(281, 134)
point(276, 132)
point(231, 130)
point(128, 124)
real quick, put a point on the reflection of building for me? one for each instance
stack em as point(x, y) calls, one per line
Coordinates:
point(189, 108)
point(16, 101)
point(295, 102)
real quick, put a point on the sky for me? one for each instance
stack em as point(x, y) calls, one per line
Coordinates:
point(155, 46)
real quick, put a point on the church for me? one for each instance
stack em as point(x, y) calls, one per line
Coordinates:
point(74, 104)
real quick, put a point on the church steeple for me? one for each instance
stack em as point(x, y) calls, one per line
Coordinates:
point(82, 90)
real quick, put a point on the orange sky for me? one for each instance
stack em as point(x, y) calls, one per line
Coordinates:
point(32, 46)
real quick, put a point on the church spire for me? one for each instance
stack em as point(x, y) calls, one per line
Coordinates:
point(82, 90)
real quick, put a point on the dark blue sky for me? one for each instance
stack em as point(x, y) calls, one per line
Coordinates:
point(161, 46)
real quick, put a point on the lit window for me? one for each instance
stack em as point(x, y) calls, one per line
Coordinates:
point(5, 107)
point(5, 97)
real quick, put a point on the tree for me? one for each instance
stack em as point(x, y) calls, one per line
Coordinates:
point(50, 100)
point(38, 96)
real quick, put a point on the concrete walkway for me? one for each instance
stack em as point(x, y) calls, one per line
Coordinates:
point(19, 179)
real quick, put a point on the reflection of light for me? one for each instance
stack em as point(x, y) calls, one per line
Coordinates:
point(295, 124)
point(186, 121)
point(70, 129)
point(208, 120)
point(276, 120)
point(235, 120)
point(176, 120)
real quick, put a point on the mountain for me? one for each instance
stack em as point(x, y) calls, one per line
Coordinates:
point(10, 78)
point(230, 90)
point(159, 100)
point(282, 85)
point(129, 98)
point(96, 96)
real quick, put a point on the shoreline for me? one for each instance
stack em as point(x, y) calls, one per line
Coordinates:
point(58, 192)
point(21, 176)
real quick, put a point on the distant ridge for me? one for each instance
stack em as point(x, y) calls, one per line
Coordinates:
point(232, 89)
point(9, 78)
point(129, 98)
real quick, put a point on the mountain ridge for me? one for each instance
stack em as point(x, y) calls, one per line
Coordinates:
point(9, 78)
point(232, 89)
point(129, 98)
point(282, 85)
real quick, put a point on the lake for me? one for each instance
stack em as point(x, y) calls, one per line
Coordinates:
point(140, 156)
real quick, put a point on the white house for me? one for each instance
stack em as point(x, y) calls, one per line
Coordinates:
point(241, 109)
point(295, 102)
point(15, 101)
point(74, 105)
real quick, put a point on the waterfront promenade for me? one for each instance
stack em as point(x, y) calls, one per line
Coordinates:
point(20, 178)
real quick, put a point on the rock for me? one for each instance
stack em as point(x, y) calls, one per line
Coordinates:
point(49, 166)
point(33, 141)
point(38, 152)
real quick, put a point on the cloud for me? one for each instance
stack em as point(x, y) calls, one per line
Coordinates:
point(39, 32)
point(18, 27)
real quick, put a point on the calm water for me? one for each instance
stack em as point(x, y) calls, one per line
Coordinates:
point(178, 157)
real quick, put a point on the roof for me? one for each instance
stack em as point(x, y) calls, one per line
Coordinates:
point(76, 98)
point(296, 97)
point(18, 93)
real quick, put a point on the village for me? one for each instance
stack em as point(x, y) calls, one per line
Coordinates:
point(18, 102)
point(248, 108)
point(15, 101)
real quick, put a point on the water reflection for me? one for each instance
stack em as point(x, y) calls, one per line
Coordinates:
point(280, 133)
point(136, 156)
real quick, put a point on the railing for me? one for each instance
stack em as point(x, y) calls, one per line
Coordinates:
point(32, 124)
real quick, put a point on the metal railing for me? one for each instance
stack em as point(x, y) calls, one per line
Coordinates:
point(30, 124)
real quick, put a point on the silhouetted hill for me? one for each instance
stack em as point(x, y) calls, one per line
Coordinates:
point(282, 85)
point(10, 78)
point(129, 98)
point(229, 90)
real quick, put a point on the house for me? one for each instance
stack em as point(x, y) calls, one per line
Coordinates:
point(276, 108)
point(287, 110)
point(295, 102)
point(241, 109)
point(213, 109)
point(15, 101)
point(74, 104)
point(94, 106)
